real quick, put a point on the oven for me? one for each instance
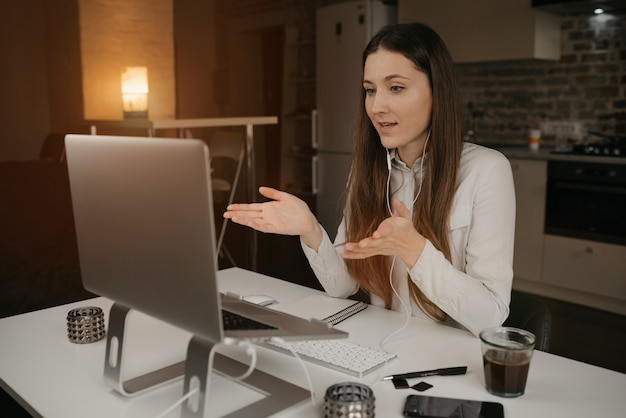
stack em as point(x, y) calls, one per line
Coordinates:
point(586, 200)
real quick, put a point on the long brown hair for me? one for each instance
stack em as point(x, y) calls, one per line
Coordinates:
point(366, 198)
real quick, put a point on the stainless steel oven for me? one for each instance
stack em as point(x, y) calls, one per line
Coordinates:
point(586, 200)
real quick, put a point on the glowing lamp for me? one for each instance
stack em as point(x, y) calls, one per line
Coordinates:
point(135, 92)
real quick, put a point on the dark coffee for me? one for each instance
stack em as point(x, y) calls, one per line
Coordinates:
point(506, 371)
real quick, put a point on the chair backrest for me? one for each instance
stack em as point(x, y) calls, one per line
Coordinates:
point(227, 144)
point(226, 150)
point(531, 313)
point(53, 148)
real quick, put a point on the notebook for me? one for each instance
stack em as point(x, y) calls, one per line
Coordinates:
point(325, 308)
point(146, 237)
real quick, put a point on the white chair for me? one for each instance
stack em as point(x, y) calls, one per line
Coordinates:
point(226, 147)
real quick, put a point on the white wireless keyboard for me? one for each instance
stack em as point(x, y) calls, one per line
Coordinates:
point(340, 355)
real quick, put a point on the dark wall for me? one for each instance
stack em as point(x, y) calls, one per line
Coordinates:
point(64, 69)
point(40, 75)
point(23, 79)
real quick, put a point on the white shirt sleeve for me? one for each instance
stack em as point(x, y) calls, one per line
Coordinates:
point(330, 267)
point(474, 290)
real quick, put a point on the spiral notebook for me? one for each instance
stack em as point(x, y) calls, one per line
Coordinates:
point(325, 308)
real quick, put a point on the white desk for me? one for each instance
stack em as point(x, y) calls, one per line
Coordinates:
point(181, 124)
point(56, 378)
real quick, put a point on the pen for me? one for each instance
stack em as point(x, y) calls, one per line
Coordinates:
point(449, 371)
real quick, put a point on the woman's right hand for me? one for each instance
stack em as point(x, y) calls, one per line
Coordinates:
point(396, 235)
point(284, 214)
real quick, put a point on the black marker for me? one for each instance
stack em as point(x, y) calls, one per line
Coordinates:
point(449, 371)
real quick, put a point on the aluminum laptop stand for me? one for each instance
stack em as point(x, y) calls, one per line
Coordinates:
point(279, 394)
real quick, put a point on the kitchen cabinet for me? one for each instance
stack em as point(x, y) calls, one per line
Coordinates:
point(584, 272)
point(587, 266)
point(488, 30)
point(530, 195)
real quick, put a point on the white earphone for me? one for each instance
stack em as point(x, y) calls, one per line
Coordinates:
point(419, 191)
point(388, 181)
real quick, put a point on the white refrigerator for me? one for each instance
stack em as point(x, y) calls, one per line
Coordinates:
point(342, 31)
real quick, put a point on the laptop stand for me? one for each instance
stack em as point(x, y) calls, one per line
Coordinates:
point(114, 359)
point(279, 394)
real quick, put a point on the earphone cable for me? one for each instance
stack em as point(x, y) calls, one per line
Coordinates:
point(419, 190)
point(404, 305)
point(304, 368)
point(393, 261)
point(250, 350)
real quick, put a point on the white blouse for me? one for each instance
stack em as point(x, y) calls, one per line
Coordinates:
point(474, 289)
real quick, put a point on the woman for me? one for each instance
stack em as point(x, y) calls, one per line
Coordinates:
point(428, 220)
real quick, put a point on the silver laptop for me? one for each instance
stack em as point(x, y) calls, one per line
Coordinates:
point(146, 238)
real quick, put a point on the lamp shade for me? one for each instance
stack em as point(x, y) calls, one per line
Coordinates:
point(135, 92)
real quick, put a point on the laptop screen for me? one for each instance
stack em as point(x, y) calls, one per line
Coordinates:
point(144, 223)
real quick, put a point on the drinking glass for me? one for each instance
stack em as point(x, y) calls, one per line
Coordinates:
point(507, 353)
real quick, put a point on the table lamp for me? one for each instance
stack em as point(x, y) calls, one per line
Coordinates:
point(135, 92)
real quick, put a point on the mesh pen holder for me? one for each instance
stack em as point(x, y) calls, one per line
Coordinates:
point(349, 400)
point(85, 325)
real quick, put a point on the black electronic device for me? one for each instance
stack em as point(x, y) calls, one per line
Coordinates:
point(437, 407)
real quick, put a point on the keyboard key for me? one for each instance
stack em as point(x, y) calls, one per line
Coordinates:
point(350, 358)
point(233, 321)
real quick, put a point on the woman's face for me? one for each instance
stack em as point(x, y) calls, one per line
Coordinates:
point(398, 101)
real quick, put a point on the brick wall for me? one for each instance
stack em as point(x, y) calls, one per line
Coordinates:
point(587, 84)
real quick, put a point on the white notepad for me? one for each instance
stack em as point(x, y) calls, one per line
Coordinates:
point(325, 308)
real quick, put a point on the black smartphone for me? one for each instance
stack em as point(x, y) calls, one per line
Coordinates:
point(436, 407)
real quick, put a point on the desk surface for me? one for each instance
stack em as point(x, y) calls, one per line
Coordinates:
point(55, 378)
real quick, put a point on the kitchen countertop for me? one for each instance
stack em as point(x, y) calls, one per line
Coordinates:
point(545, 153)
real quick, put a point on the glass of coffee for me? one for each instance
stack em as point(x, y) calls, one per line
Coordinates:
point(506, 358)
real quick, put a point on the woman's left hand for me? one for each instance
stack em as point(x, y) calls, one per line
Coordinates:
point(395, 235)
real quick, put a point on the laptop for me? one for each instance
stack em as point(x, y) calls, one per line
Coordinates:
point(143, 213)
